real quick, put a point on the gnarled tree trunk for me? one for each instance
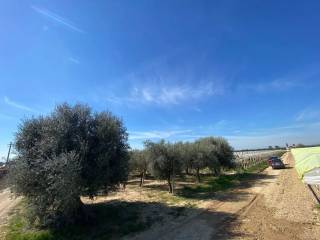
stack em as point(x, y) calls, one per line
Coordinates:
point(198, 174)
point(170, 184)
point(142, 177)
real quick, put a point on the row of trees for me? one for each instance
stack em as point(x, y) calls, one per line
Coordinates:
point(165, 160)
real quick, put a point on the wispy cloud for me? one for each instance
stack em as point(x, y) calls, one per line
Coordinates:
point(73, 60)
point(277, 84)
point(306, 133)
point(308, 114)
point(156, 82)
point(144, 135)
point(298, 79)
point(168, 95)
point(173, 95)
point(18, 105)
point(222, 124)
point(136, 138)
point(56, 18)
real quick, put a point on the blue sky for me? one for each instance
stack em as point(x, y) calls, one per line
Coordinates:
point(179, 70)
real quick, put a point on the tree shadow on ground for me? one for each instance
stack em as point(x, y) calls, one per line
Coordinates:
point(213, 188)
point(197, 224)
point(117, 219)
point(287, 166)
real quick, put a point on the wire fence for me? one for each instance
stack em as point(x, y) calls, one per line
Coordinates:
point(247, 159)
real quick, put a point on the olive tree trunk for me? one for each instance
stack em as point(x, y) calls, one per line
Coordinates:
point(198, 174)
point(142, 177)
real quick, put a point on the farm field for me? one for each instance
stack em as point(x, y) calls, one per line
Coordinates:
point(272, 204)
point(152, 205)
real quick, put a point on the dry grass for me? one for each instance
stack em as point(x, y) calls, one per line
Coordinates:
point(152, 191)
point(135, 209)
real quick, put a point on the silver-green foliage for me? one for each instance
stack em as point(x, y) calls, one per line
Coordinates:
point(70, 153)
point(169, 159)
point(165, 161)
point(139, 162)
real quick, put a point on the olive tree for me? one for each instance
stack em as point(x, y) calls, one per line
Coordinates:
point(213, 153)
point(198, 161)
point(184, 150)
point(139, 161)
point(70, 153)
point(224, 152)
point(165, 161)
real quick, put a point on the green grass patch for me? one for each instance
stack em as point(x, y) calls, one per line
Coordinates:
point(110, 221)
point(210, 184)
point(258, 167)
point(117, 219)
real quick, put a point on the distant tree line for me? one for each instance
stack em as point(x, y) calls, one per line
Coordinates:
point(165, 160)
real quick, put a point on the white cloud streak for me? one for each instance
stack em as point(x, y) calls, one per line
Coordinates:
point(18, 105)
point(144, 135)
point(278, 85)
point(308, 115)
point(167, 95)
point(291, 80)
point(73, 60)
point(56, 18)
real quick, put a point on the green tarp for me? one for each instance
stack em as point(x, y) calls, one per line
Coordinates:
point(306, 159)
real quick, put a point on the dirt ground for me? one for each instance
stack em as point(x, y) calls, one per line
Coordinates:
point(7, 202)
point(276, 206)
point(285, 209)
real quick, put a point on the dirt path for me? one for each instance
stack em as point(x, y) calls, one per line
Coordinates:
point(248, 213)
point(7, 202)
point(284, 210)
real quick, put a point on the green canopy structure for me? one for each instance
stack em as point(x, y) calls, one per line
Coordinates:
point(307, 164)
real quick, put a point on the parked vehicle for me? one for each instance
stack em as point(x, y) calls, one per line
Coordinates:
point(277, 164)
point(271, 159)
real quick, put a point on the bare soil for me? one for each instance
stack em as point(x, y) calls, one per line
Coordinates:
point(284, 210)
point(7, 202)
point(274, 204)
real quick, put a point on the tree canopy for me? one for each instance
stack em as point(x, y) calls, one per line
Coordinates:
point(70, 153)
